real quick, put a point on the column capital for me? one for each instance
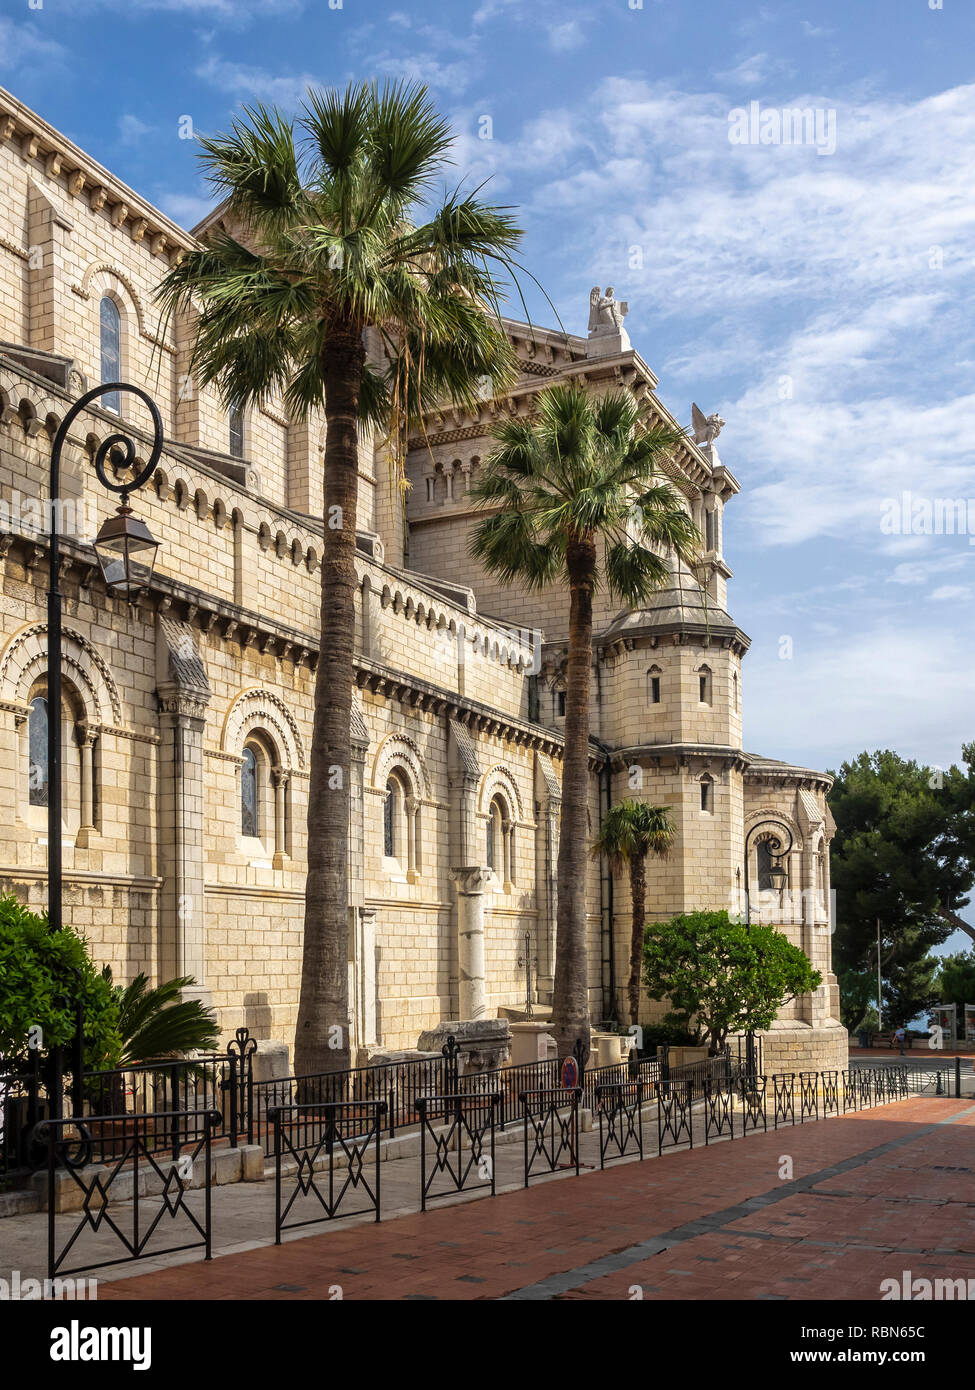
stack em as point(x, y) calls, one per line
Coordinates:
point(471, 879)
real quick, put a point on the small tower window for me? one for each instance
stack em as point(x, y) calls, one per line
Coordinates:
point(734, 684)
point(707, 795)
point(710, 531)
point(110, 327)
point(704, 685)
point(653, 685)
point(560, 703)
point(236, 420)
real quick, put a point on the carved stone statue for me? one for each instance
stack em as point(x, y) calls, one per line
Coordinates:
point(606, 314)
point(607, 336)
point(705, 428)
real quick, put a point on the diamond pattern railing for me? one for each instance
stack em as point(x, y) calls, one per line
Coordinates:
point(329, 1146)
point(114, 1199)
point(462, 1150)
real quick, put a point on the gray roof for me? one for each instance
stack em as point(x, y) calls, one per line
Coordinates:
point(683, 606)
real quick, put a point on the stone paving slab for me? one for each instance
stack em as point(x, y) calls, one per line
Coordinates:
point(709, 1223)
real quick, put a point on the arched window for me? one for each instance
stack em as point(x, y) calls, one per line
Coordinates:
point(249, 795)
point(763, 858)
point(500, 840)
point(704, 685)
point(37, 739)
point(401, 825)
point(110, 322)
point(653, 685)
point(560, 703)
point(79, 787)
point(707, 794)
point(236, 419)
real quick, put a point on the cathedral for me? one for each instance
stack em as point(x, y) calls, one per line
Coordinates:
point(187, 719)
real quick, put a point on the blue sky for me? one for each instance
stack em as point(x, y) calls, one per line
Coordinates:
point(820, 302)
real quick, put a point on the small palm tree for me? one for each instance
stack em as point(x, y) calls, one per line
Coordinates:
point(579, 501)
point(155, 1023)
point(340, 242)
point(630, 832)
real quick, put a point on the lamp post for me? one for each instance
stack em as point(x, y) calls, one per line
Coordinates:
point(126, 552)
point(783, 843)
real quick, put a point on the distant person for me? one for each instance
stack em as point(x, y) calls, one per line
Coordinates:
point(899, 1036)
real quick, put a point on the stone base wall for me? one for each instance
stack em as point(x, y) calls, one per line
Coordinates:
point(802, 1047)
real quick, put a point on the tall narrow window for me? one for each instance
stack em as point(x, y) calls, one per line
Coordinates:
point(735, 685)
point(704, 685)
point(710, 531)
point(389, 821)
point(490, 840)
point(37, 740)
point(111, 350)
point(236, 432)
point(248, 794)
point(560, 703)
point(653, 685)
point(763, 857)
point(707, 794)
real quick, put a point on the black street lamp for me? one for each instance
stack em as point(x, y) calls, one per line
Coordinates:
point(126, 553)
point(779, 846)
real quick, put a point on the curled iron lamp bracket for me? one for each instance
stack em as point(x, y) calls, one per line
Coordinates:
point(115, 444)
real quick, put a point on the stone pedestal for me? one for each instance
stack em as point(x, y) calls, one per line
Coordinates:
point(484, 1043)
point(608, 1049)
point(470, 881)
point(531, 1042)
point(271, 1060)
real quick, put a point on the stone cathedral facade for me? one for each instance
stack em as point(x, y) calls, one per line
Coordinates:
point(187, 720)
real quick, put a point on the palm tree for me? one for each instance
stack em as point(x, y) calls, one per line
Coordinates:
point(632, 830)
point(579, 501)
point(157, 1023)
point(338, 243)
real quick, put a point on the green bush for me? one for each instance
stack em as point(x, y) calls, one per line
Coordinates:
point(43, 974)
point(666, 1035)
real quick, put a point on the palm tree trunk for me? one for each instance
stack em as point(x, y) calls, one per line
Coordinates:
point(322, 1037)
point(638, 898)
point(570, 999)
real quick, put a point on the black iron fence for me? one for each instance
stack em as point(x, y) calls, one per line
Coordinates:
point(551, 1130)
point(115, 1198)
point(456, 1144)
point(619, 1107)
point(321, 1162)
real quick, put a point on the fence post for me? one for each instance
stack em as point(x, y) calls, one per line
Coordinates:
point(958, 1078)
point(233, 1098)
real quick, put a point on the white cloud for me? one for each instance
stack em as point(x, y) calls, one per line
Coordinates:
point(247, 83)
point(564, 37)
point(131, 129)
point(184, 209)
point(889, 686)
point(23, 46)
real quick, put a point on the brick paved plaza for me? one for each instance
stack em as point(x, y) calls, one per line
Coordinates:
point(871, 1195)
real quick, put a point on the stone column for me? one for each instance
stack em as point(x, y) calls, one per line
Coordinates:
point(86, 738)
point(548, 808)
point(366, 978)
point(470, 881)
point(279, 780)
point(183, 694)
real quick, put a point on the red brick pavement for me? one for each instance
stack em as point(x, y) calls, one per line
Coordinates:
point(911, 1207)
